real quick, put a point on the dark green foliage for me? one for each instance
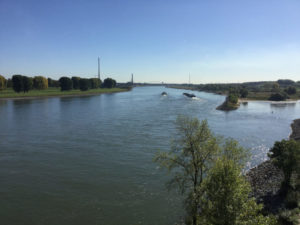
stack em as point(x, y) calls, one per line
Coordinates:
point(65, 83)
point(9, 83)
point(232, 98)
point(285, 155)
point(40, 83)
point(243, 92)
point(75, 81)
point(95, 83)
point(17, 81)
point(290, 90)
point(284, 82)
point(84, 84)
point(27, 83)
point(279, 96)
point(53, 83)
point(2, 83)
point(109, 83)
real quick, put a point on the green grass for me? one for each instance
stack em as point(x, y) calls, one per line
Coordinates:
point(10, 93)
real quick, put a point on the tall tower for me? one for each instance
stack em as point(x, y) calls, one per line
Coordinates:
point(132, 78)
point(98, 68)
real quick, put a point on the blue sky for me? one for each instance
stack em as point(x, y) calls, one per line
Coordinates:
point(156, 40)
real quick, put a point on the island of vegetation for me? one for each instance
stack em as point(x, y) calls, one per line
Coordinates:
point(20, 86)
point(208, 171)
point(280, 90)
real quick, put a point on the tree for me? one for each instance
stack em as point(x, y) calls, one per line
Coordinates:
point(17, 81)
point(279, 96)
point(53, 83)
point(225, 197)
point(285, 155)
point(275, 87)
point(40, 83)
point(84, 84)
point(190, 157)
point(244, 92)
point(290, 90)
point(27, 83)
point(95, 83)
point(9, 83)
point(109, 83)
point(65, 83)
point(75, 81)
point(2, 83)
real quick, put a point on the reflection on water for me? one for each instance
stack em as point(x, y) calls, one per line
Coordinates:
point(88, 160)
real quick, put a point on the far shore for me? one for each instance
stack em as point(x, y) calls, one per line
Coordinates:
point(55, 92)
point(268, 101)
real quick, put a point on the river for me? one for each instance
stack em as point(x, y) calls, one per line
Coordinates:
point(88, 160)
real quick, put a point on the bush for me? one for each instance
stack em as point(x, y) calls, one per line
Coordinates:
point(53, 83)
point(244, 93)
point(95, 83)
point(84, 84)
point(2, 83)
point(27, 83)
point(109, 83)
point(290, 90)
point(65, 83)
point(40, 83)
point(75, 81)
point(17, 81)
point(280, 96)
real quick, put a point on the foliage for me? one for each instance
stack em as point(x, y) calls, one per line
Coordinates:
point(9, 83)
point(279, 96)
point(290, 90)
point(275, 87)
point(66, 83)
point(244, 93)
point(95, 83)
point(40, 83)
point(2, 83)
point(109, 83)
point(17, 83)
point(190, 158)
point(226, 192)
point(84, 84)
point(285, 155)
point(53, 83)
point(27, 83)
point(232, 98)
point(285, 82)
point(75, 81)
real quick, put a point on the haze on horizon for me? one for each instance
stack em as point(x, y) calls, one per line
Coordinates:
point(158, 41)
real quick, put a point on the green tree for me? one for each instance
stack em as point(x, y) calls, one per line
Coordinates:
point(84, 84)
point(243, 92)
point(27, 83)
point(9, 83)
point(66, 83)
point(190, 158)
point(290, 90)
point(2, 83)
point(40, 83)
point(285, 155)
point(109, 83)
point(17, 81)
point(95, 83)
point(75, 81)
point(226, 192)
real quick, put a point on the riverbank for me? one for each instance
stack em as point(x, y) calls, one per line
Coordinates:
point(266, 179)
point(56, 92)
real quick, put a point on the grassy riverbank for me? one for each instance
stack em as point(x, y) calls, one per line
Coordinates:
point(56, 92)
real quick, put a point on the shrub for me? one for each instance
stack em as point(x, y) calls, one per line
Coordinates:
point(17, 81)
point(84, 84)
point(290, 90)
point(40, 83)
point(279, 96)
point(75, 81)
point(2, 83)
point(65, 83)
point(109, 83)
point(95, 83)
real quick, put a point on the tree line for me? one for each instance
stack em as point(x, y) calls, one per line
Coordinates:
point(21, 83)
point(208, 171)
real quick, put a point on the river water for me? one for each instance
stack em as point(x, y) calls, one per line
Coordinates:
point(88, 160)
